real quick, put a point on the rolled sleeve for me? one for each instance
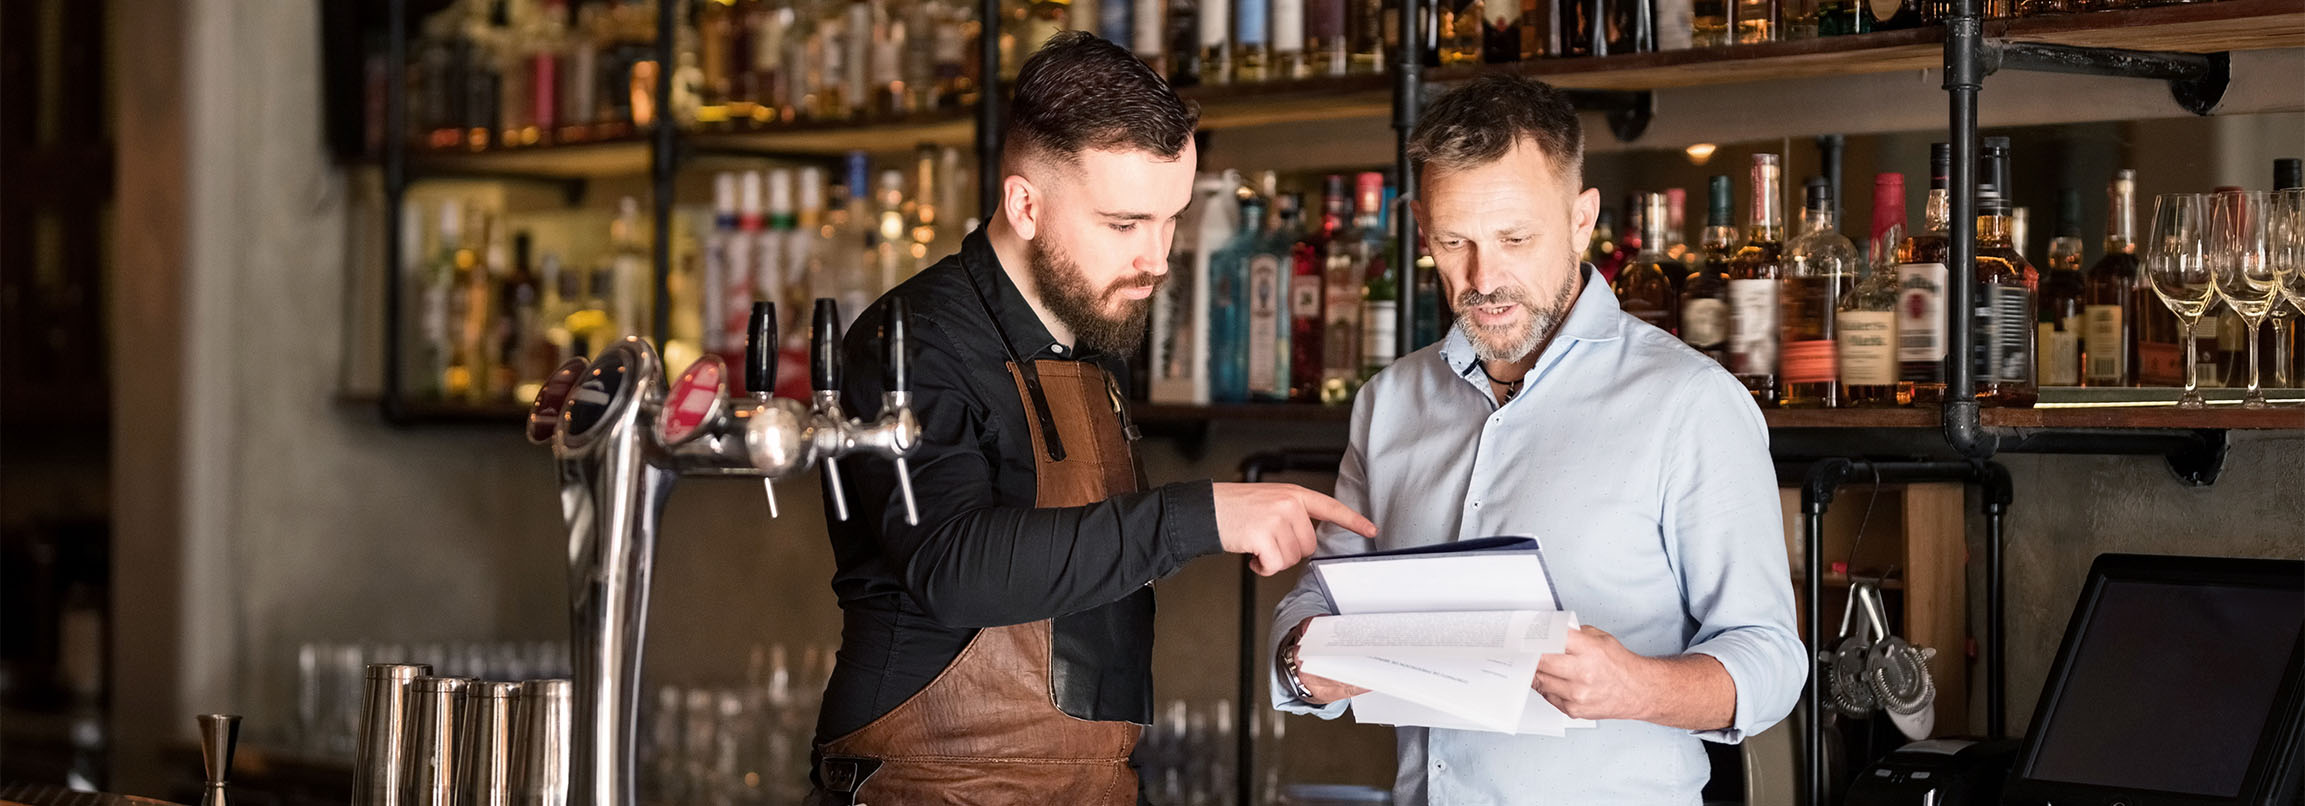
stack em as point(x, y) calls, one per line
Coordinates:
point(1725, 533)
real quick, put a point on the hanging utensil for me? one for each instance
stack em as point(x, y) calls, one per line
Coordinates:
point(1851, 694)
point(1898, 675)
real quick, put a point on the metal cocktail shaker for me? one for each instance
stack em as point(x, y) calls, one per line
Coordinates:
point(381, 769)
point(436, 706)
point(484, 745)
point(540, 742)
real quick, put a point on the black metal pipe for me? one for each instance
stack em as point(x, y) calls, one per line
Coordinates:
point(2107, 442)
point(1824, 478)
point(663, 166)
point(395, 146)
point(1964, 77)
point(1245, 713)
point(1408, 78)
point(988, 177)
point(1998, 492)
point(2051, 58)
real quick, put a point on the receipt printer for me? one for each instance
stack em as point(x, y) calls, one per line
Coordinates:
point(1936, 772)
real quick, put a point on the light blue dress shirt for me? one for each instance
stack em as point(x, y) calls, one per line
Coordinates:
point(1643, 469)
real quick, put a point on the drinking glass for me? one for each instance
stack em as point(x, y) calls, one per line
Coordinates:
point(2176, 261)
point(2289, 246)
point(2241, 267)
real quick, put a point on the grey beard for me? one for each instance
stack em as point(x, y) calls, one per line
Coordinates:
point(1543, 323)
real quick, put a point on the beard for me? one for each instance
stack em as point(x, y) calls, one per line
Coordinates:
point(1515, 341)
point(1089, 312)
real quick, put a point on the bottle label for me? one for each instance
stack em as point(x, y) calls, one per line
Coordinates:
point(2105, 346)
point(1379, 326)
point(2060, 348)
point(1249, 22)
point(1753, 327)
point(1215, 22)
point(1921, 312)
point(1868, 350)
point(1305, 298)
point(1705, 323)
point(1268, 338)
point(2008, 322)
point(1810, 361)
point(2160, 363)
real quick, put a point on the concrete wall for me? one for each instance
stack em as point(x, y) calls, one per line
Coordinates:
point(257, 511)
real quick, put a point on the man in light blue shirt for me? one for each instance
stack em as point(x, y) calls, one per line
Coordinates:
point(1640, 465)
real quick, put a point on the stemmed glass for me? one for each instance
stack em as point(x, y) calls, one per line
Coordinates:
point(2176, 261)
point(2289, 245)
point(2241, 267)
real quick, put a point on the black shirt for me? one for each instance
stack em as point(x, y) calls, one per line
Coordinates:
point(911, 597)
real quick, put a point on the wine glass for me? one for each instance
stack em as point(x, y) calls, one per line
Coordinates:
point(2176, 261)
point(2288, 232)
point(2241, 267)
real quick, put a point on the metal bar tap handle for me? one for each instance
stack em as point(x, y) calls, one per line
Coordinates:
point(896, 399)
point(824, 377)
point(760, 370)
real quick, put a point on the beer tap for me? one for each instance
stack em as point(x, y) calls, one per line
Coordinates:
point(621, 437)
point(894, 434)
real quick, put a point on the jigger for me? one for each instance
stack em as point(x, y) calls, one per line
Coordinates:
point(218, 734)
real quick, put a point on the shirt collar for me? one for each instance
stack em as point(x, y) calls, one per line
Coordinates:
point(1594, 316)
point(1028, 337)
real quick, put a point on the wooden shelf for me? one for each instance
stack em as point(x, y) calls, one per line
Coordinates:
point(618, 157)
point(2220, 417)
point(1170, 413)
point(1925, 417)
point(2193, 28)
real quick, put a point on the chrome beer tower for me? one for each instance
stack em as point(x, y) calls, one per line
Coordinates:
point(621, 438)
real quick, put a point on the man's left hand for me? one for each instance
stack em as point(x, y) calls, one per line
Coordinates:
point(1596, 678)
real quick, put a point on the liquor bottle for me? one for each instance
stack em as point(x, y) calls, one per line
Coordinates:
point(1921, 280)
point(1603, 250)
point(892, 37)
point(1867, 320)
point(1705, 294)
point(723, 258)
point(780, 265)
point(859, 241)
point(1180, 349)
point(436, 285)
point(863, 32)
point(1326, 44)
point(1289, 58)
point(1269, 274)
point(1252, 40)
point(526, 350)
point(1380, 295)
point(1148, 33)
point(1184, 43)
point(1501, 31)
point(1757, 21)
point(1676, 244)
point(804, 254)
point(1216, 49)
point(1230, 305)
point(539, 58)
point(1631, 27)
point(2021, 231)
point(1844, 17)
point(628, 269)
point(1365, 28)
point(1645, 288)
point(1628, 239)
point(1754, 272)
point(892, 233)
point(1452, 32)
point(1580, 29)
point(1308, 295)
point(2110, 300)
point(2062, 318)
point(928, 231)
point(1116, 21)
point(1342, 277)
point(1820, 271)
point(1709, 23)
point(2004, 302)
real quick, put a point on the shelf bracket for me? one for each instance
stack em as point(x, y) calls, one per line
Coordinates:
point(2195, 456)
point(2197, 81)
point(1628, 112)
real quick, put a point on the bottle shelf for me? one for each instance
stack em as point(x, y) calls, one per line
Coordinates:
point(621, 156)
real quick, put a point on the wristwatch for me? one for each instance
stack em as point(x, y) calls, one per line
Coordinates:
point(1288, 668)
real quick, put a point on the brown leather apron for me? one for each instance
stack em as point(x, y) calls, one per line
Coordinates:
point(988, 729)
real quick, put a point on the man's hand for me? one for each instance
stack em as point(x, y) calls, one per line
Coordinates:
point(1597, 678)
point(1274, 522)
point(1324, 690)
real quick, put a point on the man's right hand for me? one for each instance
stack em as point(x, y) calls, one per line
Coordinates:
point(1324, 690)
point(1274, 522)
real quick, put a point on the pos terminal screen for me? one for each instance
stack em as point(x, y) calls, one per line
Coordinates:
point(2169, 688)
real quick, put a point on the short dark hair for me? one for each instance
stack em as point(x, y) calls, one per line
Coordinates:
point(1080, 92)
point(1480, 122)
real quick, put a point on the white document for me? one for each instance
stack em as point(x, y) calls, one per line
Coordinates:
point(1468, 670)
point(1507, 580)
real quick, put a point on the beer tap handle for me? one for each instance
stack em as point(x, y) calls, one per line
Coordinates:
point(824, 377)
point(824, 347)
point(760, 351)
point(897, 381)
point(760, 370)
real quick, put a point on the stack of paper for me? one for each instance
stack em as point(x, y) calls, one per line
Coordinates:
point(1445, 636)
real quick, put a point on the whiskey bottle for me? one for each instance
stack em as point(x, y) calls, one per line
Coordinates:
point(2062, 314)
point(1821, 267)
point(1867, 321)
point(1645, 288)
point(1754, 272)
point(2109, 297)
point(1308, 298)
point(2004, 318)
point(1705, 293)
point(1921, 279)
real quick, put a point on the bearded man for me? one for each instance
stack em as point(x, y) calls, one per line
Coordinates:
point(1641, 466)
point(999, 650)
